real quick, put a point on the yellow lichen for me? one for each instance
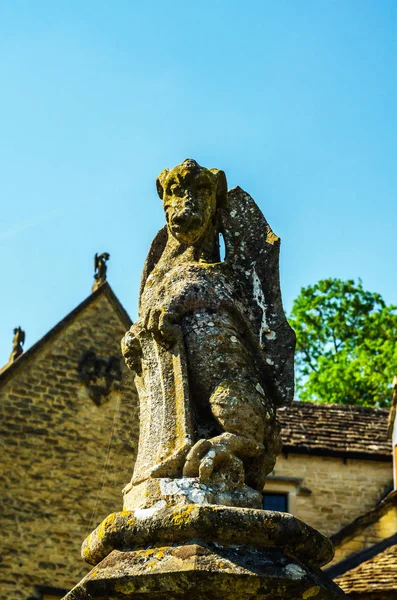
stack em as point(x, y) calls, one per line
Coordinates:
point(311, 592)
point(151, 564)
point(105, 526)
point(181, 518)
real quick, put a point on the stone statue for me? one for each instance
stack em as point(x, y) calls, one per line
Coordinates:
point(17, 343)
point(212, 350)
point(100, 267)
point(212, 354)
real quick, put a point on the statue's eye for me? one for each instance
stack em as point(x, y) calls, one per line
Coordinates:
point(176, 189)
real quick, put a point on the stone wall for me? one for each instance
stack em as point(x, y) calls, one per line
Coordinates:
point(368, 534)
point(332, 492)
point(55, 441)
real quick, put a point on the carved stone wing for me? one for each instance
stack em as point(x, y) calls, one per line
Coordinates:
point(252, 249)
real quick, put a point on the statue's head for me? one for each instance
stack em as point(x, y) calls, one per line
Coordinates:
point(191, 196)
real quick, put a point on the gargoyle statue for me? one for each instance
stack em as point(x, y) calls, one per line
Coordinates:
point(212, 350)
point(100, 268)
point(17, 343)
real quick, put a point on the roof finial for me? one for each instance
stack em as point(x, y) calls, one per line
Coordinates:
point(100, 269)
point(17, 343)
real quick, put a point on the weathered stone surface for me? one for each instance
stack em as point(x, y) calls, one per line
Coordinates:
point(212, 350)
point(189, 490)
point(204, 571)
point(162, 524)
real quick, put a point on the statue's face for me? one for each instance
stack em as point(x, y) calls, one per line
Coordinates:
point(189, 199)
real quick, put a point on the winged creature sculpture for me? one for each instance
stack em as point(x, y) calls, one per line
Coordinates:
point(212, 350)
point(17, 343)
point(100, 268)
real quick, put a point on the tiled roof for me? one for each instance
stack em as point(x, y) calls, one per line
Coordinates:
point(378, 574)
point(334, 429)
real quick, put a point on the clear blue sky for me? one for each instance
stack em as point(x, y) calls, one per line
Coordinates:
point(296, 100)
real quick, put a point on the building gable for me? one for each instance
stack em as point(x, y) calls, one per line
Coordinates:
point(63, 416)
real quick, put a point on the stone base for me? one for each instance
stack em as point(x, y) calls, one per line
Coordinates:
point(205, 552)
point(189, 490)
point(163, 525)
point(204, 571)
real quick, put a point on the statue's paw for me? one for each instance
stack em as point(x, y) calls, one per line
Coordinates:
point(131, 350)
point(159, 322)
point(219, 461)
point(239, 444)
point(210, 458)
point(151, 322)
point(168, 329)
point(193, 459)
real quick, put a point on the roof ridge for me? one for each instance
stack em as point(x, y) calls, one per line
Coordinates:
point(105, 289)
point(343, 407)
point(365, 555)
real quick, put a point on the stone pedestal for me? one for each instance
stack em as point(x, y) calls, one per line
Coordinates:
point(205, 552)
point(189, 490)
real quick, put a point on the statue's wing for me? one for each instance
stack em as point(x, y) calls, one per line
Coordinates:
point(96, 262)
point(22, 337)
point(252, 249)
point(154, 254)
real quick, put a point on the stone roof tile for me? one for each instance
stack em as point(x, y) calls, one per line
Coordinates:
point(378, 574)
point(333, 429)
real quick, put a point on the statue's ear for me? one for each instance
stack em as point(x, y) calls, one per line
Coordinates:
point(221, 188)
point(160, 181)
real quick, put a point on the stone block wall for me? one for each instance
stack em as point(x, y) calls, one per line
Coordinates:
point(333, 492)
point(55, 442)
point(367, 535)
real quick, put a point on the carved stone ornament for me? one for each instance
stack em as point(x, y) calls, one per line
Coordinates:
point(101, 376)
point(17, 344)
point(212, 349)
point(101, 268)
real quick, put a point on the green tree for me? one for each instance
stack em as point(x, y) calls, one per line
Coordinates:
point(346, 344)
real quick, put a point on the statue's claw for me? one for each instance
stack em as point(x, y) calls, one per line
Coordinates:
point(131, 348)
point(219, 455)
point(160, 323)
point(220, 459)
point(167, 328)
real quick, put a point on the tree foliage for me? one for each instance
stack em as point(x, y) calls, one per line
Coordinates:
point(346, 344)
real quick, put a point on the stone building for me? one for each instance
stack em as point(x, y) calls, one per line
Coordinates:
point(63, 405)
point(69, 434)
point(365, 563)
